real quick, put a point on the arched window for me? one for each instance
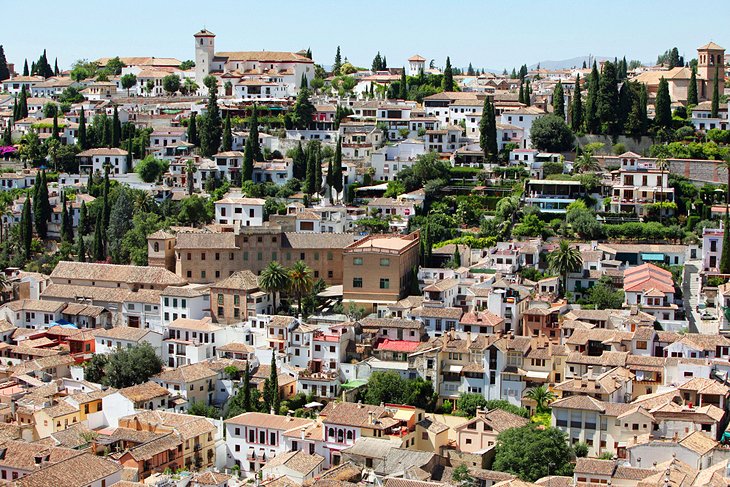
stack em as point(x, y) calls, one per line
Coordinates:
point(339, 436)
point(331, 433)
point(157, 246)
point(349, 435)
point(201, 41)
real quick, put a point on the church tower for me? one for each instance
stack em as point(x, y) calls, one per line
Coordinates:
point(204, 53)
point(710, 62)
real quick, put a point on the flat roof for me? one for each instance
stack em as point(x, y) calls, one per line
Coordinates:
point(393, 243)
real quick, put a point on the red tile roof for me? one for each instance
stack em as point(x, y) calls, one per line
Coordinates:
point(396, 345)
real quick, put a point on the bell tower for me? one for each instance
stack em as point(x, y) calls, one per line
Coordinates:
point(710, 63)
point(204, 53)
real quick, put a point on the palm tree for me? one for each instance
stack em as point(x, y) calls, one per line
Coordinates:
point(563, 260)
point(586, 163)
point(662, 165)
point(190, 86)
point(5, 287)
point(300, 281)
point(274, 279)
point(190, 169)
point(542, 397)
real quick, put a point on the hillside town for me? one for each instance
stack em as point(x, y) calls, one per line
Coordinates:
point(423, 275)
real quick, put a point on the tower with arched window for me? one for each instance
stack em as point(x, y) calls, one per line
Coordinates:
point(710, 63)
point(204, 53)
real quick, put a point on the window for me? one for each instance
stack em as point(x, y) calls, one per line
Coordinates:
point(357, 282)
point(384, 262)
point(357, 261)
point(384, 283)
point(220, 298)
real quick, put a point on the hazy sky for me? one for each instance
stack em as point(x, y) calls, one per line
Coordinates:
point(486, 33)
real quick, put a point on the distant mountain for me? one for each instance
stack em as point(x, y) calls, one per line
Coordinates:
point(575, 62)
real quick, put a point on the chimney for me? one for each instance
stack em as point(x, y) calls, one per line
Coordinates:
point(468, 338)
point(590, 372)
point(359, 404)
point(303, 432)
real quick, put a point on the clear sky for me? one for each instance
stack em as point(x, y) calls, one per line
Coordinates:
point(487, 33)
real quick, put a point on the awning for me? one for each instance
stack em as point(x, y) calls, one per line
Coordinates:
point(455, 369)
point(403, 415)
point(652, 257)
point(531, 374)
point(313, 404)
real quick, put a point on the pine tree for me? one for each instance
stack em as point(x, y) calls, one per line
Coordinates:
point(448, 76)
point(83, 228)
point(4, 71)
point(25, 69)
point(715, 106)
point(42, 208)
point(83, 143)
point(26, 227)
point(210, 133)
point(608, 99)
point(488, 131)
point(663, 106)
point(377, 63)
point(559, 100)
point(470, 70)
point(253, 134)
point(227, 142)
point(403, 93)
point(338, 63)
point(80, 249)
point(692, 88)
point(193, 130)
point(576, 113)
point(116, 128)
point(591, 113)
point(248, 161)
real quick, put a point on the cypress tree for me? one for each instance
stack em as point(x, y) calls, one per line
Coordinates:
point(662, 106)
point(330, 179)
point(643, 105)
point(83, 228)
point(692, 88)
point(337, 169)
point(608, 99)
point(309, 183)
point(55, 127)
point(528, 98)
point(725, 256)
point(56, 71)
point(488, 131)
point(521, 96)
point(83, 143)
point(246, 389)
point(42, 208)
point(715, 107)
point(403, 93)
point(193, 130)
point(64, 222)
point(7, 136)
point(67, 233)
point(23, 104)
point(98, 244)
point(254, 134)
point(559, 100)
point(210, 133)
point(576, 118)
point(303, 83)
point(377, 63)
point(591, 113)
point(385, 63)
point(33, 69)
point(626, 98)
point(15, 108)
point(448, 76)
point(309, 53)
point(299, 162)
point(80, 249)
point(338, 63)
point(4, 70)
point(116, 128)
point(26, 227)
point(227, 142)
point(248, 161)
point(105, 206)
point(318, 170)
point(275, 400)
point(25, 69)
point(130, 155)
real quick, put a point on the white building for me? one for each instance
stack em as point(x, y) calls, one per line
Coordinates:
point(238, 210)
point(191, 301)
point(390, 159)
point(94, 161)
point(107, 341)
point(522, 118)
point(189, 341)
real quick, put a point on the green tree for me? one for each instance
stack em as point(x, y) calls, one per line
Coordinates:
point(198, 408)
point(274, 279)
point(67, 232)
point(384, 387)
point(692, 89)
point(591, 113)
point(542, 397)
point(248, 160)
point(4, 71)
point(586, 163)
point(128, 81)
point(116, 128)
point(83, 143)
point(193, 129)
point(94, 368)
point(42, 207)
point(150, 169)
point(725, 255)
point(461, 475)
point(559, 100)
point(663, 106)
point(608, 100)
point(80, 249)
point(227, 141)
point(210, 133)
point(448, 76)
point(171, 83)
point(488, 131)
point(26, 227)
point(54, 129)
point(127, 367)
point(338, 63)
point(190, 170)
point(97, 248)
point(550, 133)
point(120, 222)
point(83, 227)
point(22, 104)
point(604, 296)
point(300, 281)
point(253, 134)
point(337, 181)
point(532, 453)
point(469, 402)
point(403, 95)
point(303, 110)
point(563, 260)
point(715, 104)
